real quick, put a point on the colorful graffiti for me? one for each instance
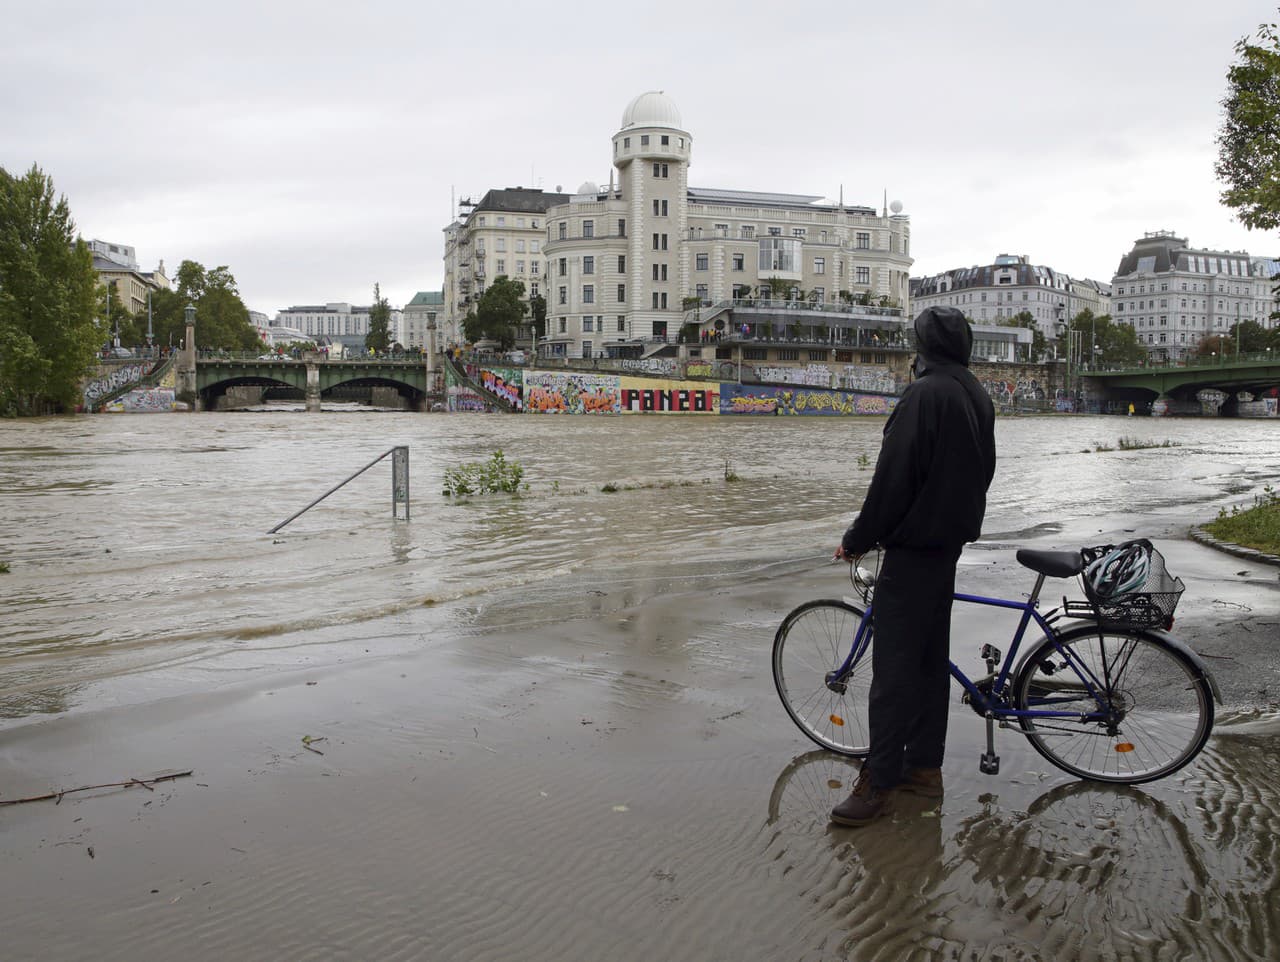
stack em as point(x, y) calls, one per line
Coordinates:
point(651, 365)
point(571, 392)
point(745, 399)
point(667, 397)
point(149, 400)
point(1003, 391)
point(504, 383)
point(699, 369)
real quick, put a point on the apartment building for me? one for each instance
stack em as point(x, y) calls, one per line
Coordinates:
point(425, 310)
point(118, 271)
point(334, 320)
point(1009, 286)
point(1174, 295)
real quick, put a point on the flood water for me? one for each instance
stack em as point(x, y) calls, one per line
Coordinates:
point(141, 568)
point(140, 542)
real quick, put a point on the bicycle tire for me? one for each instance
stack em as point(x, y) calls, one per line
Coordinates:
point(1163, 704)
point(812, 641)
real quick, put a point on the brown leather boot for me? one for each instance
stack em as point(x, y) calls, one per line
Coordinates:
point(865, 803)
point(925, 782)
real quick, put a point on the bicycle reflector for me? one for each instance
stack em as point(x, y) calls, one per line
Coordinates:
point(837, 720)
point(1124, 746)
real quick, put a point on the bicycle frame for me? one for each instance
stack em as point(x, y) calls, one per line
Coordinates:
point(996, 705)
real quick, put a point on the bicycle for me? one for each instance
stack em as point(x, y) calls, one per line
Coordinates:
point(1106, 694)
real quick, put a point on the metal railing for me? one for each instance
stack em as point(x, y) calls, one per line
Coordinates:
point(399, 485)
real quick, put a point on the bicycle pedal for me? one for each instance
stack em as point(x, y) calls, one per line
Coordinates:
point(989, 764)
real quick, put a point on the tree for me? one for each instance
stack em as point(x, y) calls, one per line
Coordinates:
point(538, 311)
point(498, 313)
point(1249, 139)
point(222, 320)
point(1252, 336)
point(379, 336)
point(48, 292)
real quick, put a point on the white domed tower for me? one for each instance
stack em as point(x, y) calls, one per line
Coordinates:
point(652, 153)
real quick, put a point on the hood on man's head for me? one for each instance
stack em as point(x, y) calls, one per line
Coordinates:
point(943, 335)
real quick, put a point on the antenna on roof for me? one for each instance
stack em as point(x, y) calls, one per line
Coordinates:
point(885, 211)
point(842, 195)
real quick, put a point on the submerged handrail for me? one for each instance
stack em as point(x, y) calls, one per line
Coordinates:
point(399, 492)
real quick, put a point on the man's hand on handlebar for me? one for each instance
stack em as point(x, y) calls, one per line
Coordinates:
point(840, 555)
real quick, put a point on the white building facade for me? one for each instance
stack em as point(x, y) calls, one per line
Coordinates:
point(1009, 286)
point(334, 319)
point(651, 260)
point(423, 312)
point(1174, 295)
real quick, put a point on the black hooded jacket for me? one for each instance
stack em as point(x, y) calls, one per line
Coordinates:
point(939, 451)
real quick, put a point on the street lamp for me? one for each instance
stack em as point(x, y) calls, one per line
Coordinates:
point(189, 315)
point(115, 336)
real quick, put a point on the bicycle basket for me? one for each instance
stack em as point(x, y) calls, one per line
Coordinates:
point(1129, 584)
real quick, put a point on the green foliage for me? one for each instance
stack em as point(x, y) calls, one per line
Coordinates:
point(4, 567)
point(487, 477)
point(379, 336)
point(1117, 343)
point(1257, 527)
point(730, 475)
point(48, 294)
point(1137, 444)
point(222, 320)
point(538, 311)
point(1249, 139)
point(498, 313)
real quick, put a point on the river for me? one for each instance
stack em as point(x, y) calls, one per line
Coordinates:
point(138, 546)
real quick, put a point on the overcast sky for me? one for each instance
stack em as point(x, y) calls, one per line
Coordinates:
point(314, 148)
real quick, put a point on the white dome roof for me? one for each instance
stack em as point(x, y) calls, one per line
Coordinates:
point(589, 187)
point(652, 109)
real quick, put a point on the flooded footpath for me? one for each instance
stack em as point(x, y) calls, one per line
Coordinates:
point(545, 727)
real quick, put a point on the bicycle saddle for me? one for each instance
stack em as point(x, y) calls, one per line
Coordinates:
point(1055, 564)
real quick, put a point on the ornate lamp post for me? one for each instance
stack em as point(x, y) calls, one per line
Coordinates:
point(189, 314)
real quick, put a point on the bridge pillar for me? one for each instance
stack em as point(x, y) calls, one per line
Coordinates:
point(313, 386)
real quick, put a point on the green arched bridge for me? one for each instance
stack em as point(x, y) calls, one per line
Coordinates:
point(1181, 382)
point(314, 376)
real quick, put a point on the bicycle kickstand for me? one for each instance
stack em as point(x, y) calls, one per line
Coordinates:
point(990, 763)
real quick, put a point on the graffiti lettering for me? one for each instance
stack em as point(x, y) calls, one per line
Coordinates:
point(113, 381)
point(647, 400)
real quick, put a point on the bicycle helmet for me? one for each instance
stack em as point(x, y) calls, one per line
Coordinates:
point(1119, 571)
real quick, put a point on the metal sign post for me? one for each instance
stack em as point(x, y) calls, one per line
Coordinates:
point(400, 481)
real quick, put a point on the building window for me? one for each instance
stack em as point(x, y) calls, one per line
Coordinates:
point(644, 140)
point(519, 267)
point(564, 266)
point(862, 275)
point(779, 254)
point(622, 323)
point(655, 241)
point(786, 354)
point(622, 263)
point(562, 324)
point(626, 143)
point(501, 265)
point(533, 288)
point(664, 241)
point(622, 293)
point(739, 262)
point(655, 300)
point(660, 170)
point(819, 265)
point(500, 245)
point(588, 293)
point(659, 208)
point(588, 324)
point(588, 264)
point(588, 228)
point(797, 232)
point(700, 262)
point(748, 231)
point(564, 295)
point(666, 140)
point(564, 230)
point(863, 241)
point(663, 299)
point(775, 231)
point(480, 221)
point(533, 267)
point(701, 293)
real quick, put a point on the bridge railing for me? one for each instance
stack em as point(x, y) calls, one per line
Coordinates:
point(1193, 361)
point(213, 355)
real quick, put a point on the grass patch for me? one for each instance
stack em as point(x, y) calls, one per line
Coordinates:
point(612, 487)
point(4, 567)
point(1256, 527)
point(1137, 444)
point(730, 475)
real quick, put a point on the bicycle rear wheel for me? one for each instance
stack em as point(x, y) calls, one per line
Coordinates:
point(1159, 704)
point(810, 646)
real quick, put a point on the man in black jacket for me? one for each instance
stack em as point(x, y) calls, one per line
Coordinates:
point(926, 500)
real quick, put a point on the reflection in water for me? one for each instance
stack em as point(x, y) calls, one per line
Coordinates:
point(1186, 868)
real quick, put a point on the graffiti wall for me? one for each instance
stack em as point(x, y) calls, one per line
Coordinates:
point(661, 366)
point(110, 381)
point(750, 399)
point(571, 392)
point(459, 397)
point(848, 377)
point(145, 400)
point(650, 396)
point(505, 383)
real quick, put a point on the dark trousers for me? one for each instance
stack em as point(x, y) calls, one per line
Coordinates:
point(910, 679)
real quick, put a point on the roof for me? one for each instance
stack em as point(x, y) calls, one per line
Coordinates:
point(426, 299)
point(520, 200)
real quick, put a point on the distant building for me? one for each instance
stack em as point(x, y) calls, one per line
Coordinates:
point(117, 267)
point(502, 234)
point(1008, 287)
point(336, 319)
point(649, 260)
point(424, 310)
point(1174, 295)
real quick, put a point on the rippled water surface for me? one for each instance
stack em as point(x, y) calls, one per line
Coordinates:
point(141, 541)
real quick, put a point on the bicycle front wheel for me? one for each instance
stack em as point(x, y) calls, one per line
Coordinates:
point(809, 649)
point(1158, 704)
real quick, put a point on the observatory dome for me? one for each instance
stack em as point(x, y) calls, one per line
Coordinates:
point(651, 109)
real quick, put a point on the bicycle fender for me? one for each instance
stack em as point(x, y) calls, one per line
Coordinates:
point(1184, 649)
point(1158, 634)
